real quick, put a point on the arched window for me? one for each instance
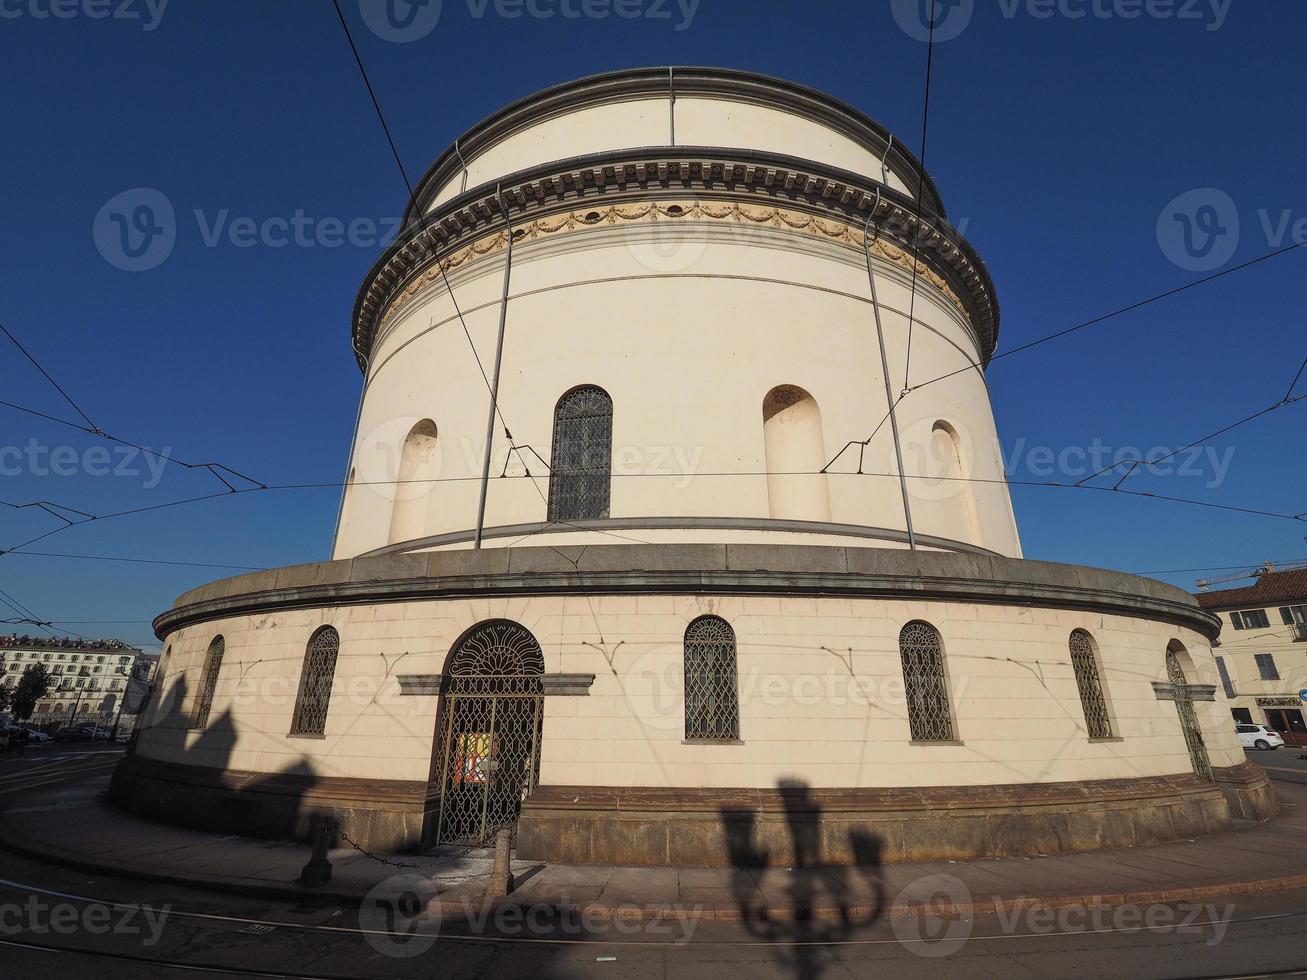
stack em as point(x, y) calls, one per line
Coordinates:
point(946, 448)
point(796, 451)
point(1176, 658)
point(1085, 664)
point(925, 685)
point(419, 464)
point(582, 455)
point(315, 683)
point(712, 707)
point(208, 682)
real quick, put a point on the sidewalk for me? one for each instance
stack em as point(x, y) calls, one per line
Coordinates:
point(73, 826)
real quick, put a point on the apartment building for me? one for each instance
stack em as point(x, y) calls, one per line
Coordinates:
point(1262, 656)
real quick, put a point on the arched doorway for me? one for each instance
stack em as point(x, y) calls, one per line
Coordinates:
point(1184, 705)
point(489, 756)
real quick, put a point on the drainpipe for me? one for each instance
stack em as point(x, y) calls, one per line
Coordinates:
point(884, 366)
point(494, 383)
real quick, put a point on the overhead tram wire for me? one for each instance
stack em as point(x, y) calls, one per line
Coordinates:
point(426, 227)
point(921, 183)
point(496, 410)
point(1121, 311)
point(46, 374)
point(92, 429)
point(336, 485)
point(1134, 464)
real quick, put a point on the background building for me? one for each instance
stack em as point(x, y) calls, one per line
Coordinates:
point(89, 679)
point(647, 552)
point(1263, 649)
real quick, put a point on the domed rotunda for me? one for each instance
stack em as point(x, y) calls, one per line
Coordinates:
point(676, 514)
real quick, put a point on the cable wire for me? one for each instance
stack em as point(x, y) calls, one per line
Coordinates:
point(921, 182)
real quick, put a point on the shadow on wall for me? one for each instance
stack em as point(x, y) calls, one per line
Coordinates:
point(190, 785)
point(817, 903)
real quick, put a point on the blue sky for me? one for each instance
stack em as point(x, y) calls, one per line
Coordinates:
point(1059, 142)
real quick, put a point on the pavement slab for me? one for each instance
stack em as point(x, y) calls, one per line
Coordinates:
point(81, 830)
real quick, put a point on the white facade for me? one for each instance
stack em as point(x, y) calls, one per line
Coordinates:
point(682, 345)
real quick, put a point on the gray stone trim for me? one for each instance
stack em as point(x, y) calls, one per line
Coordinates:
point(554, 685)
point(567, 685)
point(678, 524)
point(415, 684)
point(1193, 692)
point(691, 569)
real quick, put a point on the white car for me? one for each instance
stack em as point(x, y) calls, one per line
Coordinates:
point(1258, 737)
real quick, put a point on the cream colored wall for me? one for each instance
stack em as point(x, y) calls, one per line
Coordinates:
point(687, 325)
point(820, 693)
point(1239, 649)
point(647, 122)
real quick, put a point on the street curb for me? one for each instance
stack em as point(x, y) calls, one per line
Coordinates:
point(655, 911)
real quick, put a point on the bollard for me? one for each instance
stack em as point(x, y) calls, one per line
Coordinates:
point(318, 870)
point(501, 878)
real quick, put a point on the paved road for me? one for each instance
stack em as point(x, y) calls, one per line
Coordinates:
point(56, 922)
point(1288, 763)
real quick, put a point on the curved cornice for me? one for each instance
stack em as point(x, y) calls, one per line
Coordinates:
point(611, 525)
point(672, 569)
point(657, 82)
point(746, 177)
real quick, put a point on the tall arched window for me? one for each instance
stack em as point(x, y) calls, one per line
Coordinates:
point(1085, 664)
point(925, 685)
point(316, 675)
point(208, 682)
point(712, 707)
point(1176, 658)
point(796, 451)
point(582, 455)
point(946, 448)
point(419, 464)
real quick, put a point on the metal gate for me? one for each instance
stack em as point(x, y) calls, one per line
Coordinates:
point(1193, 735)
point(490, 733)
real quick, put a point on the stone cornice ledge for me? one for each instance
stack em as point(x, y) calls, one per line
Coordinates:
point(668, 569)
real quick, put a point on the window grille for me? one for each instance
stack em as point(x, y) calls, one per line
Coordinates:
point(315, 683)
point(924, 683)
point(204, 700)
point(581, 464)
point(1097, 721)
point(712, 708)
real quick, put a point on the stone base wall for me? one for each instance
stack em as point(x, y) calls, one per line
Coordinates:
point(1248, 791)
point(386, 815)
point(757, 828)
